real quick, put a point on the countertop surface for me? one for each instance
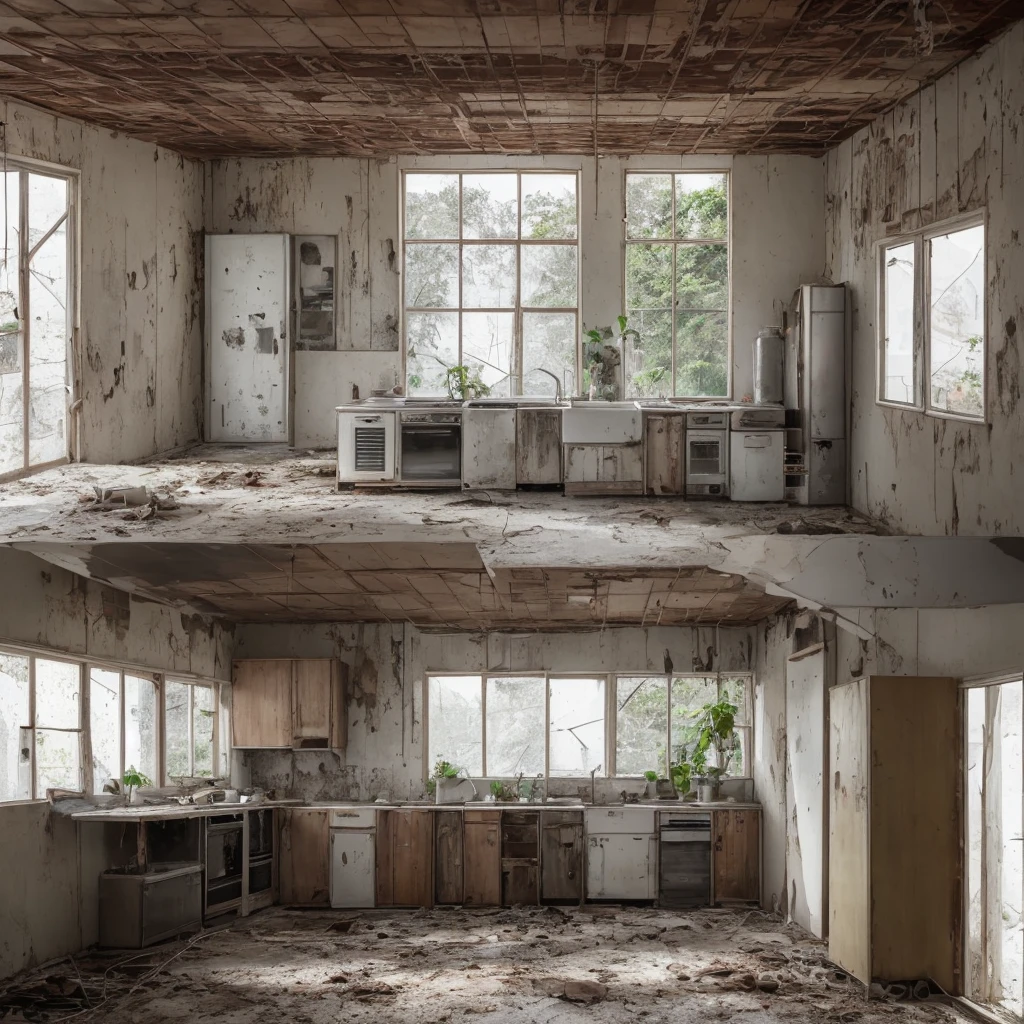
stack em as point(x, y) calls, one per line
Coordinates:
point(453, 405)
point(165, 812)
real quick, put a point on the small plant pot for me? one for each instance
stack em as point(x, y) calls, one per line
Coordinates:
point(665, 790)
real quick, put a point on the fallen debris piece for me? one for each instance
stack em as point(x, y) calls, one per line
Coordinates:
point(585, 991)
point(766, 983)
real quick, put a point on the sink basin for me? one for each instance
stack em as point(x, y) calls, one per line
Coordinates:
point(602, 423)
point(511, 402)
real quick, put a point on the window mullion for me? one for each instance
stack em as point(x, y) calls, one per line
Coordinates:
point(24, 315)
point(483, 726)
point(190, 731)
point(32, 727)
point(547, 725)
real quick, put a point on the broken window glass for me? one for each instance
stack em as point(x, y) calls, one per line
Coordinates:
point(515, 725)
point(899, 283)
point(58, 725)
point(455, 722)
point(176, 729)
point(105, 726)
point(140, 728)
point(576, 725)
point(641, 731)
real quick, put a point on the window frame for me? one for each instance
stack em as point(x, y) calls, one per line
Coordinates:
point(518, 309)
point(72, 178)
point(675, 242)
point(922, 347)
point(609, 769)
point(210, 684)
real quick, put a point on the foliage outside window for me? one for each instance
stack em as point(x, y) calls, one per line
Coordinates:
point(36, 289)
point(491, 268)
point(190, 730)
point(654, 719)
point(931, 289)
point(40, 726)
point(123, 725)
point(677, 283)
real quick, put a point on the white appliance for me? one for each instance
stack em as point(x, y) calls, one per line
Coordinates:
point(622, 853)
point(707, 454)
point(353, 857)
point(366, 447)
point(757, 454)
point(248, 303)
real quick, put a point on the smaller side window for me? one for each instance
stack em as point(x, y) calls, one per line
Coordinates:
point(191, 732)
point(897, 357)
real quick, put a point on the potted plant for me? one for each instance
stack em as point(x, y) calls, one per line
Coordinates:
point(133, 781)
point(603, 350)
point(446, 777)
point(651, 777)
point(716, 734)
point(463, 383)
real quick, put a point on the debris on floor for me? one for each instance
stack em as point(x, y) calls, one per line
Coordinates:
point(555, 965)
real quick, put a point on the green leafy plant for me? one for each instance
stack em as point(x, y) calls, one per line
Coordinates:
point(715, 722)
point(461, 382)
point(445, 770)
point(651, 776)
point(430, 785)
point(134, 779)
point(679, 772)
point(496, 789)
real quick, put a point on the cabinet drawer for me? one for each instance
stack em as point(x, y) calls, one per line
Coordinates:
point(354, 817)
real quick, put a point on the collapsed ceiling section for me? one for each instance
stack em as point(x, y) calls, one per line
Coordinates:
point(357, 77)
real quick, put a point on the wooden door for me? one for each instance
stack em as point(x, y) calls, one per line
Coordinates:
point(562, 856)
point(448, 856)
point(848, 907)
point(539, 447)
point(664, 453)
point(489, 448)
point(405, 862)
point(305, 857)
point(261, 703)
point(482, 858)
point(311, 703)
point(736, 837)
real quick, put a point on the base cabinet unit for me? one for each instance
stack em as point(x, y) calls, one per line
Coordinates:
point(138, 910)
point(482, 858)
point(664, 453)
point(604, 468)
point(736, 856)
point(538, 447)
point(622, 854)
point(305, 857)
point(489, 448)
point(353, 857)
point(405, 858)
point(293, 703)
point(448, 885)
point(520, 858)
point(895, 890)
point(561, 858)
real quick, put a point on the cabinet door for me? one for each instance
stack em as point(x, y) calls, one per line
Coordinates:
point(562, 861)
point(489, 448)
point(352, 868)
point(618, 867)
point(305, 857)
point(482, 859)
point(448, 856)
point(311, 703)
point(621, 467)
point(261, 703)
point(519, 883)
point(539, 446)
point(737, 843)
point(405, 862)
point(664, 454)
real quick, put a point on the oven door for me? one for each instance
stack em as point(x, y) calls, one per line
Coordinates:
point(707, 468)
point(431, 452)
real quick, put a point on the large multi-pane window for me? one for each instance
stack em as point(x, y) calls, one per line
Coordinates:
point(677, 284)
point(491, 279)
point(123, 725)
point(36, 317)
point(568, 725)
point(931, 299)
point(191, 734)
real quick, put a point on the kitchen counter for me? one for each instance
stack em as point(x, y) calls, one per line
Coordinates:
point(168, 812)
point(539, 402)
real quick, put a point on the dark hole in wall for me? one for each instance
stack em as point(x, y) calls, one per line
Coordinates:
point(265, 341)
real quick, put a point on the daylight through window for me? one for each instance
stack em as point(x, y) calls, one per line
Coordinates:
point(677, 283)
point(491, 279)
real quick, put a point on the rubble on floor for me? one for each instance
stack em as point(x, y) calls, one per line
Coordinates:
point(527, 964)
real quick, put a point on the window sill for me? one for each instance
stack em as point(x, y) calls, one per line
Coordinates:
point(935, 414)
point(21, 803)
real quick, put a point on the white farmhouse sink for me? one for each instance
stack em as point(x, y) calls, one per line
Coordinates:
point(602, 423)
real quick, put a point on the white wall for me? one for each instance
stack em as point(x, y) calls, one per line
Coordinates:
point(955, 146)
point(141, 275)
point(48, 877)
point(778, 241)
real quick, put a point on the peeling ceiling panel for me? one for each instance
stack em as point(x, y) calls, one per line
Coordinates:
point(369, 77)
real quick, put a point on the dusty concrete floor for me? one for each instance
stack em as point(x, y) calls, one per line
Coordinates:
point(555, 966)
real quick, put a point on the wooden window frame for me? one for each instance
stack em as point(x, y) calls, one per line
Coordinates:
point(212, 685)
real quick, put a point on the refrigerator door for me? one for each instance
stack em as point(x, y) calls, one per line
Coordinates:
point(247, 311)
point(353, 874)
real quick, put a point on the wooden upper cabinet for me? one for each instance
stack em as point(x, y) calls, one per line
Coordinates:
point(304, 857)
point(261, 704)
point(285, 702)
point(737, 840)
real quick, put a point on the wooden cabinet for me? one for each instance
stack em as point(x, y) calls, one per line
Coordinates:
point(562, 856)
point(538, 447)
point(736, 842)
point(482, 858)
point(489, 448)
point(520, 858)
point(448, 857)
point(405, 858)
point(304, 878)
point(604, 468)
point(289, 702)
point(664, 453)
point(895, 895)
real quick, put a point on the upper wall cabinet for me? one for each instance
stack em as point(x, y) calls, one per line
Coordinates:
point(290, 703)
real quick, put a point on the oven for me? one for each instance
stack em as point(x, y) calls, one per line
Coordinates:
point(684, 875)
point(430, 448)
point(707, 454)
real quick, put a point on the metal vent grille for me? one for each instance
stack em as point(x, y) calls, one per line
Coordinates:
point(370, 449)
point(705, 457)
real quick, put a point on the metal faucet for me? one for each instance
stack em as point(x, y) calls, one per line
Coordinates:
point(519, 786)
point(536, 788)
point(476, 792)
point(593, 785)
point(554, 377)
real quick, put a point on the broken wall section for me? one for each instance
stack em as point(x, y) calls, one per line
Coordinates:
point(954, 147)
point(140, 264)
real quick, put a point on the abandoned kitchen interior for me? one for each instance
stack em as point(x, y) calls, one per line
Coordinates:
point(511, 508)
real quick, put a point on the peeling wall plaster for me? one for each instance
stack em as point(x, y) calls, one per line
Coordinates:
point(777, 235)
point(954, 147)
point(141, 273)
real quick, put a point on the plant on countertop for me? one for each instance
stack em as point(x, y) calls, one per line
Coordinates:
point(651, 776)
point(463, 383)
point(497, 788)
point(445, 770)
point(134, 779)
point(715, 723)
point(430, 786)
point(603, 349)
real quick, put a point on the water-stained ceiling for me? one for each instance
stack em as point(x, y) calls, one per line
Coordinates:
point(266, 77)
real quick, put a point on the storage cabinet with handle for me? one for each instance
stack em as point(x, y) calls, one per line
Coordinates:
point(736, 856)
point(604, 468)
point(539, 447)
point(289, 702)
point(305, 870)
point(405, 858)
point(482, 858)
point(561, 856)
